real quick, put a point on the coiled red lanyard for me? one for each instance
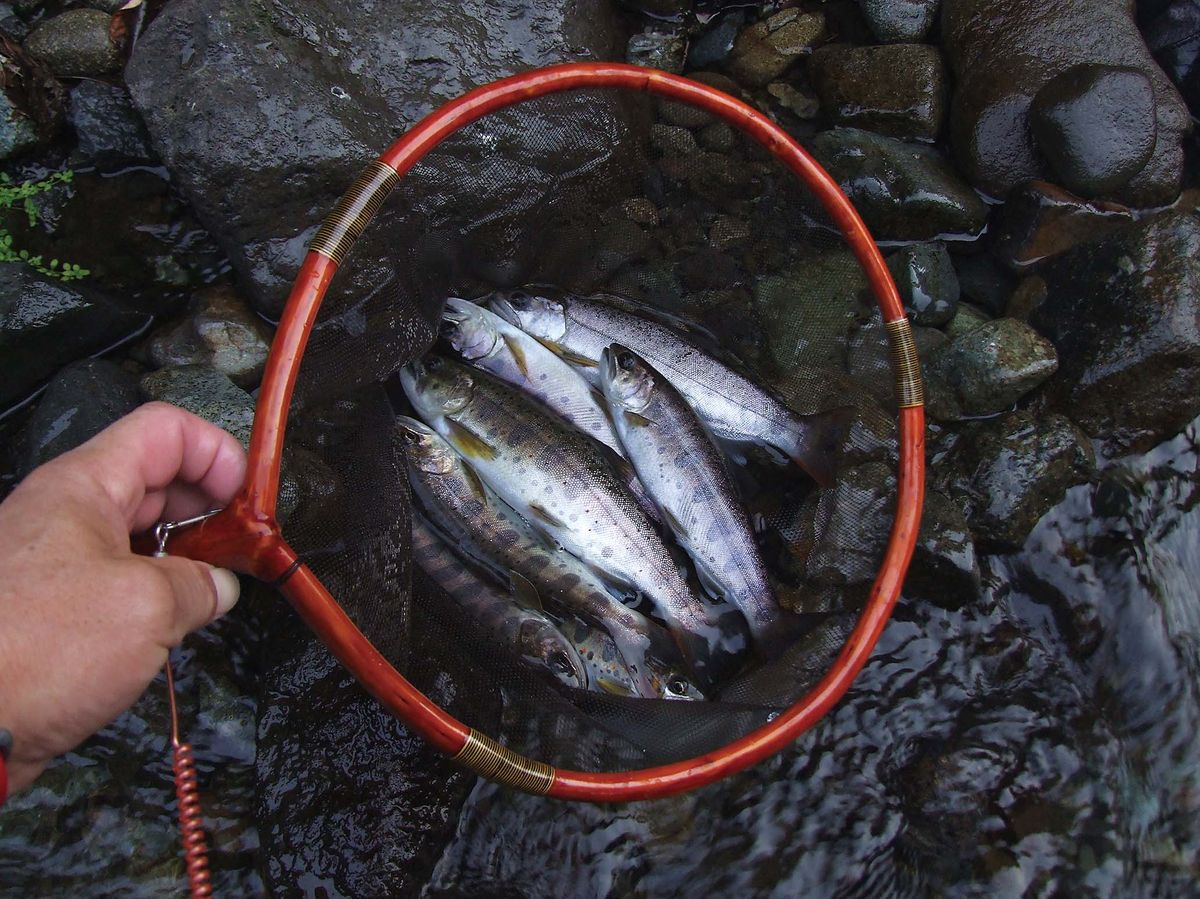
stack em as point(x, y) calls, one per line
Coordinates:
point(187, 791)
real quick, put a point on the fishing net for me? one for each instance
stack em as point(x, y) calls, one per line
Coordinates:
point(590, 179)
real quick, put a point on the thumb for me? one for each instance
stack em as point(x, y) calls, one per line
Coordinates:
point(201, 592)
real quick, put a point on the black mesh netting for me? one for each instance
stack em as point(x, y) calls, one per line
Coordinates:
point(591, 191)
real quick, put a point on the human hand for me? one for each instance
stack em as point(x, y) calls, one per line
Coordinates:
point(84, 623)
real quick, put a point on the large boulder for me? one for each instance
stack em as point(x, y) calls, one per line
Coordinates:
point(266, 112)
point(1003, 52)
point(1124, 313)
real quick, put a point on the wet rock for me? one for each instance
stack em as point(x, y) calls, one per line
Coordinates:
point(898, 90)
point(206, 393)
point(31, 101)
point(1174, 38)
point(672, 140)
point(945, 567)
point(273, 77)
point(967, 318)
point(79, 42)
point(1124, 313)
point(795, 100)
point(220, 333)
point(903, 191)
point(983, 282)
point(716, 42)
point(46, 324)
point(1027, 296)
point(1011, 472)
point(1040, 221)
point(81, 401)
point(987, 369)
point(718, 137)
point(900, 20)
point(107, 127)
point(657, 50)
point(767, 49)
point(927, 282)
point(1003, 55)
point(1096, 126)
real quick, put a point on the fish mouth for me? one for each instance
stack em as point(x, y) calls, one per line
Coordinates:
point(457, 310)
point(504, 308)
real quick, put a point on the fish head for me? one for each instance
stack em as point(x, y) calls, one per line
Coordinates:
point(423, 447)
point(469, 329)
point(627, 380)
point(544, 645)
point(676, 685)
point(534, 313)
point(437, 387)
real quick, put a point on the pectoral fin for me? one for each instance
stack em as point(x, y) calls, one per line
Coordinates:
point(468, 442)
point(543, 516)
point(518, 353)
point(524, 593)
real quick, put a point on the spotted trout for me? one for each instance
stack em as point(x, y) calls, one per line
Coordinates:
point(733, 406)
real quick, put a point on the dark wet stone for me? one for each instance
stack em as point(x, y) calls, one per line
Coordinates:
point(78, 42)
point(1002, 56)
point(1096, 126)
point(1029, 293)
point(1012, 471)
point(221, 333)
point(716, 42)
point(81, 401)
point(983, 282)
point(1040, 221)
point(107, 127)
point(945, 567)
point(900, 20)
point(204, 68)
point(1173, 36)
point(903, 191)
point(1124, 313)
point(672, 140)
point(657, 50)
point(31, 102)
point(708, 270)
point(927, 282)
point(967, 318)
point(718, 137)
point(206, 393)
point(765, 50)
point(987, 369)
point(899, 90)
point(46, 324)
point(659, 9)
point(801, 104)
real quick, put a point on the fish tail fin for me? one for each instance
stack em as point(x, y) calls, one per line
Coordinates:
point(818, 442)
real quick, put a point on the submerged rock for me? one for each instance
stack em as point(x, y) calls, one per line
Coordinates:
point(927, 282)
point(220, 333)
point(1124, 313)
point(107, 127)
point(304, 95)
point(657, 50)
point(1003, 53)
point(987, 369)
point(81, 401)
point(767, 49)
point(46, 324)
point(1011, 472)
point(31, 101)
point(1174, 39)
point(945, 566)
point(898, 90)
point(79, 42)
point(900, 20)
point(983, 282)
point(903, 191)
point(1040, 221)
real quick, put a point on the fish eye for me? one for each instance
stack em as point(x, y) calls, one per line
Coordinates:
point(625, 360)
point(433, 363)
point(677, 686)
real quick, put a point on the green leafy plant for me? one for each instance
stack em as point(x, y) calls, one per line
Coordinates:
point(12, 195)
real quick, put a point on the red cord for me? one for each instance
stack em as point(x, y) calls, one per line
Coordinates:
point(191, 824)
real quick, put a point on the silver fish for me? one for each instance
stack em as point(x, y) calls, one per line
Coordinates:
point(489, 342)
point(558, 479)
point(732, 405)
point(487, 528)
point(527, 632)
point(684, 471)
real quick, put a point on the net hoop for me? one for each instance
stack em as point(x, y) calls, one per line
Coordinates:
point(247, 538)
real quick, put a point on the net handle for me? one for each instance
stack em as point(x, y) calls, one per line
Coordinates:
point(247, 537)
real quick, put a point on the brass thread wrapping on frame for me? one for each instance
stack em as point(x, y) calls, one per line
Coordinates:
point(489, 759)
point(910, 390)
point(354, 211)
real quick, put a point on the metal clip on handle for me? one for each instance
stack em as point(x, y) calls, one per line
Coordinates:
point(162, 530)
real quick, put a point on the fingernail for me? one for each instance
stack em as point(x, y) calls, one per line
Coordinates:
point(228, 589)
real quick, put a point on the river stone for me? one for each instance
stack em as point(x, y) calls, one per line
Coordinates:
point(967, 318)
point(81, 401)
point(927, 282)
point(1012, 471)
point(1096, 126)
point(657, 50)
point(1040, 221)
point(45, 324)
point(31, 101)
point(765, 50)
point(1002, 52)
point(987, 369)
point(898, 90)
point(902, 191)
point(945, 566)
point(78, 43)
point(107, 127)
point(1173, 37)
point(304, 94)
point(717, 39)
point(1124, 313)
point(983, 282)
point(900, 20)
point(206, 393)
point(220, 333)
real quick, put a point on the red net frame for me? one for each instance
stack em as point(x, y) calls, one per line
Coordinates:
point(246, 537)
